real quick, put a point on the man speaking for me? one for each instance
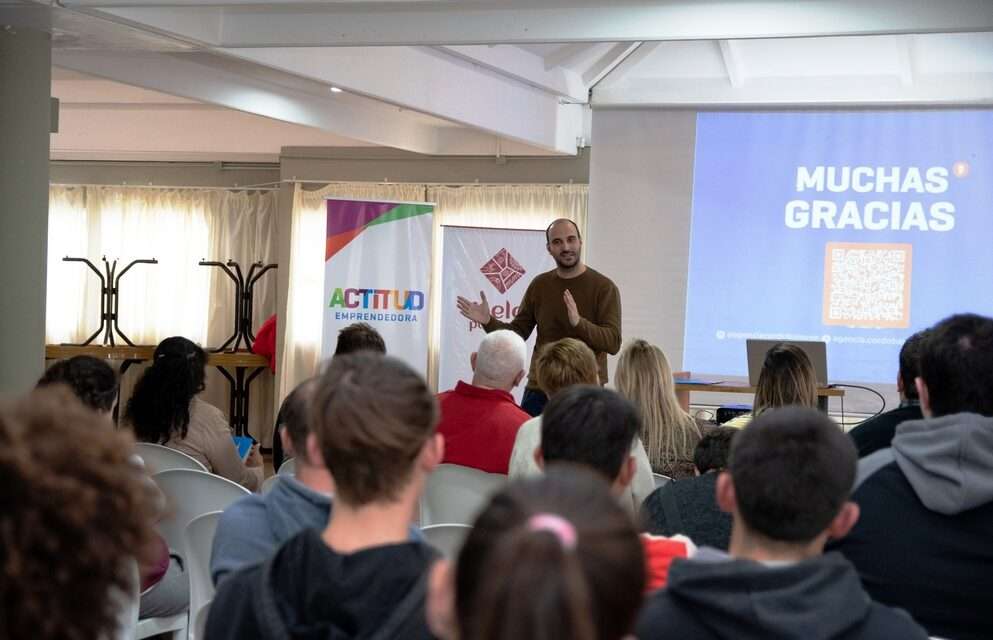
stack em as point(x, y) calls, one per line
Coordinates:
point(570, 301)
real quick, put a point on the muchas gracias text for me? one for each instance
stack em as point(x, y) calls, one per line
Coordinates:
point(889, 214)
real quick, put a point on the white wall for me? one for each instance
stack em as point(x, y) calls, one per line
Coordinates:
point(641, 179)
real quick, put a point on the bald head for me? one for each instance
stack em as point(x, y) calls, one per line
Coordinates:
point(564, 223)
point(499, 361)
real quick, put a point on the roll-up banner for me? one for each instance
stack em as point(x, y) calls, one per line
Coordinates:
point(377, 270)
point(499, 262)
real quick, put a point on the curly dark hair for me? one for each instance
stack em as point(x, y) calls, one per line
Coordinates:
point(159, 408)
point(91, 379)
point(76, 515)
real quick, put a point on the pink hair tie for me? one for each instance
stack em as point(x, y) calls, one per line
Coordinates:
point(558, 526)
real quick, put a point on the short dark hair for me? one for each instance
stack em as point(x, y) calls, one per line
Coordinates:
point(516, 578)
point(91, 379)
point(294, 415)
point(793, 469)
point(359, 336)
point(910, 363)
point(548, 229)
point(372, 415)
point(714, 449)
point(957, 365)
point(589, 425)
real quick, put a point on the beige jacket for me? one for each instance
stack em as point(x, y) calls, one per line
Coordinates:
point(529, 437)
point(208, 439)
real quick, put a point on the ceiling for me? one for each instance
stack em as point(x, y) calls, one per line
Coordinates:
point(239, 79)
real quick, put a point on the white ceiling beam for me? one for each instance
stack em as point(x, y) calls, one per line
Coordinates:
point(281, 24)
point(732, 62)
point(350, 117)
point(619, 72)
point(435, 83)
point(964, 89)
point(905, 58)
point(523, 66)
point(607, 63)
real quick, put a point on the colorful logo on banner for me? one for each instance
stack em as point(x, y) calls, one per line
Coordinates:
point(384, 304)
point(352, 218)
point(502, 270)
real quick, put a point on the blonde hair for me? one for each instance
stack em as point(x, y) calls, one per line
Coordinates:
point(564, 363)
point(643, 376)
point(787, 379)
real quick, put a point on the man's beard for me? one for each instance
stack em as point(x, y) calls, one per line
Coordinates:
point(573, 258)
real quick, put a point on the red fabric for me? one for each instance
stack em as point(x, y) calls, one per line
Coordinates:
point(152, 573)
point(265, 342)
point(479, 426)
point(659, 554)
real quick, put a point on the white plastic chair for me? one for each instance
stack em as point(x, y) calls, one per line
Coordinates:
point(198, 622)
point(190, 494)
point(289, 467)
point(175, 626)
point(446, 538)
point(199, 536)
point(160, 458)
point(661, 480)
point(455, 494)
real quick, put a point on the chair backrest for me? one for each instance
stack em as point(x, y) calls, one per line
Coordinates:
point(289, 467)
point(446, 538)
point(661, 480)
point(190, 494)
point(160, 458)
point(127, 606)
point(199, 536)
point(198, 622)
point(455, 494)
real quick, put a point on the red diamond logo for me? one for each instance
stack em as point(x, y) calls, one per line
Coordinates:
point(502, 270)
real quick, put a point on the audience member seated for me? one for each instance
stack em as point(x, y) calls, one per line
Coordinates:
point(76, 515)
point(165, 587)
point(252, 528)
point(480, 420)
point(551, 557)
point(373, 420)
point(164, 409)
point(787, 379)
point(560, 365)
point(669, 434)
point(787, 488)
point(595, 427)
point(689, 506)
point(357, 336)
point(877, 433)
point(923, 542)
point(91, 380)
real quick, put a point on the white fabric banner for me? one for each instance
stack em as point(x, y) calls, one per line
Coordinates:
point(499, 262)
point(377, 270)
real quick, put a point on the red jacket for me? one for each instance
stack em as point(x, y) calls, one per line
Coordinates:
point(479, 426)
point(659, 554)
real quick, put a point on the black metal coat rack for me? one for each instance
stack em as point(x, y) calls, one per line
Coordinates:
point(110, 298)
point(244, 295)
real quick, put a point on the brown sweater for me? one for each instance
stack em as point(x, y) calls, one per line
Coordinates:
point(599, 305)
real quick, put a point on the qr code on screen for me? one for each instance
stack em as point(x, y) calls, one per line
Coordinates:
point(867, 284)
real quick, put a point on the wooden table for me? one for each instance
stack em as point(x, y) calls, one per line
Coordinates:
point(224, 361)
point(823, 393)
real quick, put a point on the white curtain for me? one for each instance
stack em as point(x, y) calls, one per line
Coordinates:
point(177, 227)
point(500, 206)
